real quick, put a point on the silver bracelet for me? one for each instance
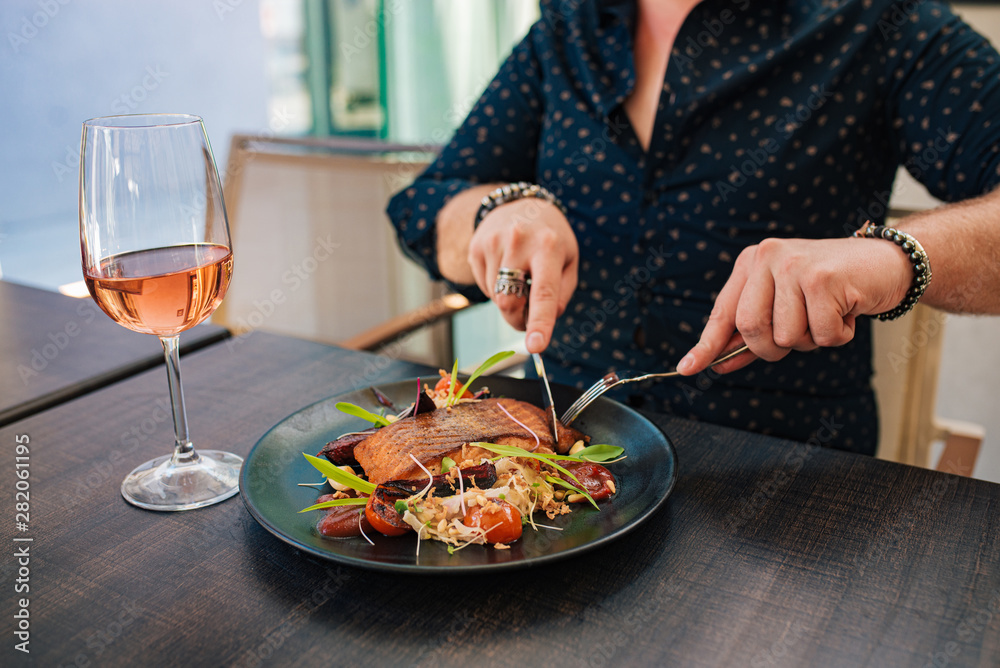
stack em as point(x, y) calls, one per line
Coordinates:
point(511, 192)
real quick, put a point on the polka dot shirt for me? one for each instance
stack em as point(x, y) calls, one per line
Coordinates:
point(777, 119)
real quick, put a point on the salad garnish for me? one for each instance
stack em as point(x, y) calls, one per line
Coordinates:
point(353, 501)
point(518, 481)
point(451, 385)
point(331, 472)
point(511, 451)
point(361, 527)
point(358, 411)
point(483, 368)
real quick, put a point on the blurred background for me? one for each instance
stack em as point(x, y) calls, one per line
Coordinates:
point(404, 71)
point(287, 67)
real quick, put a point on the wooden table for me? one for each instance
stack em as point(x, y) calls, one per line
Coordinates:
point(54, 348)
point(768, 553)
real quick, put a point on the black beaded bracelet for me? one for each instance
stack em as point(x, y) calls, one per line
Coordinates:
point(511, 192)
point(915, 253)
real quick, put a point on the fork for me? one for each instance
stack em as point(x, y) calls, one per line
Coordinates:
point(616, 378)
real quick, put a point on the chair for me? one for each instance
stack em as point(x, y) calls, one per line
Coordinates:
point(906, 356)
point(315, 254)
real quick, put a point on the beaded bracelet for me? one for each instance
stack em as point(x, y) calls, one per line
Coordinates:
point(511, 192)
point(915, 253)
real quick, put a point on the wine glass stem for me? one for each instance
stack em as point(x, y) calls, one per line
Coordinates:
point(183, 449)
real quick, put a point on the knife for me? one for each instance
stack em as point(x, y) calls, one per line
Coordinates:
point(549, 405)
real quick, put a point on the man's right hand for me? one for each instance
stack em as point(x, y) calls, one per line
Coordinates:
point(534, 236)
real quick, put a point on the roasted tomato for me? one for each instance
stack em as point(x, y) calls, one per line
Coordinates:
point(596, 479)
point(501, 520)
point(381, 512)
point(445, 383)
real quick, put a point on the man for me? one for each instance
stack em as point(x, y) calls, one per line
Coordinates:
point(698, 167)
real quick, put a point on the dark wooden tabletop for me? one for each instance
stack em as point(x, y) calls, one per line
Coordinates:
point(54, 348)
point(767, 553)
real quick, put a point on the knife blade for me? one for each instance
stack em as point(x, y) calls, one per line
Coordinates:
point(549, 405)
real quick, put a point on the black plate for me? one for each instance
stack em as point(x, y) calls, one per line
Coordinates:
point(268, 485)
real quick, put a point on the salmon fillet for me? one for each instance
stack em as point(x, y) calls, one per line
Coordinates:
point(385, 455)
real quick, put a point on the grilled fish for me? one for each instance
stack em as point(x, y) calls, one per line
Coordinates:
point(445, 432)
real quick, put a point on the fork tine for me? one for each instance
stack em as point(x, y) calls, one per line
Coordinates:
point(581, 403)
point(591, 392)
point(573, 411)
point(597, 389)
point(629, 376)
point(575, 407)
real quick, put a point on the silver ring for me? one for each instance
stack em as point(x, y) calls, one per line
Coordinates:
point(512, 282)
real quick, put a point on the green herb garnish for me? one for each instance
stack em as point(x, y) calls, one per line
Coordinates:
point(576, 490)
point(336, 502)
point(401, 506)
point(358, 411)
point(599, 453)
point(343, 477)
point(593, 454)
point(511, 451)
point(446, 464)
point(451, 385)
point(495, 359)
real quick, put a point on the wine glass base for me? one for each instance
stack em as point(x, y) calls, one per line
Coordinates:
point(161, 484)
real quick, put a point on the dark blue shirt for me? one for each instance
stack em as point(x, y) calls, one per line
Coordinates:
point(777, 119)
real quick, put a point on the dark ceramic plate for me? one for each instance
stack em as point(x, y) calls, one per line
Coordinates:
point(268, 485)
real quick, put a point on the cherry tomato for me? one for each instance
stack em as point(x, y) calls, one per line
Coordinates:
point(593, 477)
point(384, 518)
point(501, 520)
point(445, 383)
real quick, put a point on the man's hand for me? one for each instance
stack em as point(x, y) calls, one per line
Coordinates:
point(799, 294)
point(534, 236)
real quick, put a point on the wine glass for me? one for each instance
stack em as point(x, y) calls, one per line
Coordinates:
point(157, 258)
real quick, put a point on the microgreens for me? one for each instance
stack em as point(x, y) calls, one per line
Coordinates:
point(336, 502)
point(446, 464)
point(451, 385)
point(576, 490)
point(595, 453)
point(511, 451)
point(358, 411)
point(483, 368)
point(343, 477)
